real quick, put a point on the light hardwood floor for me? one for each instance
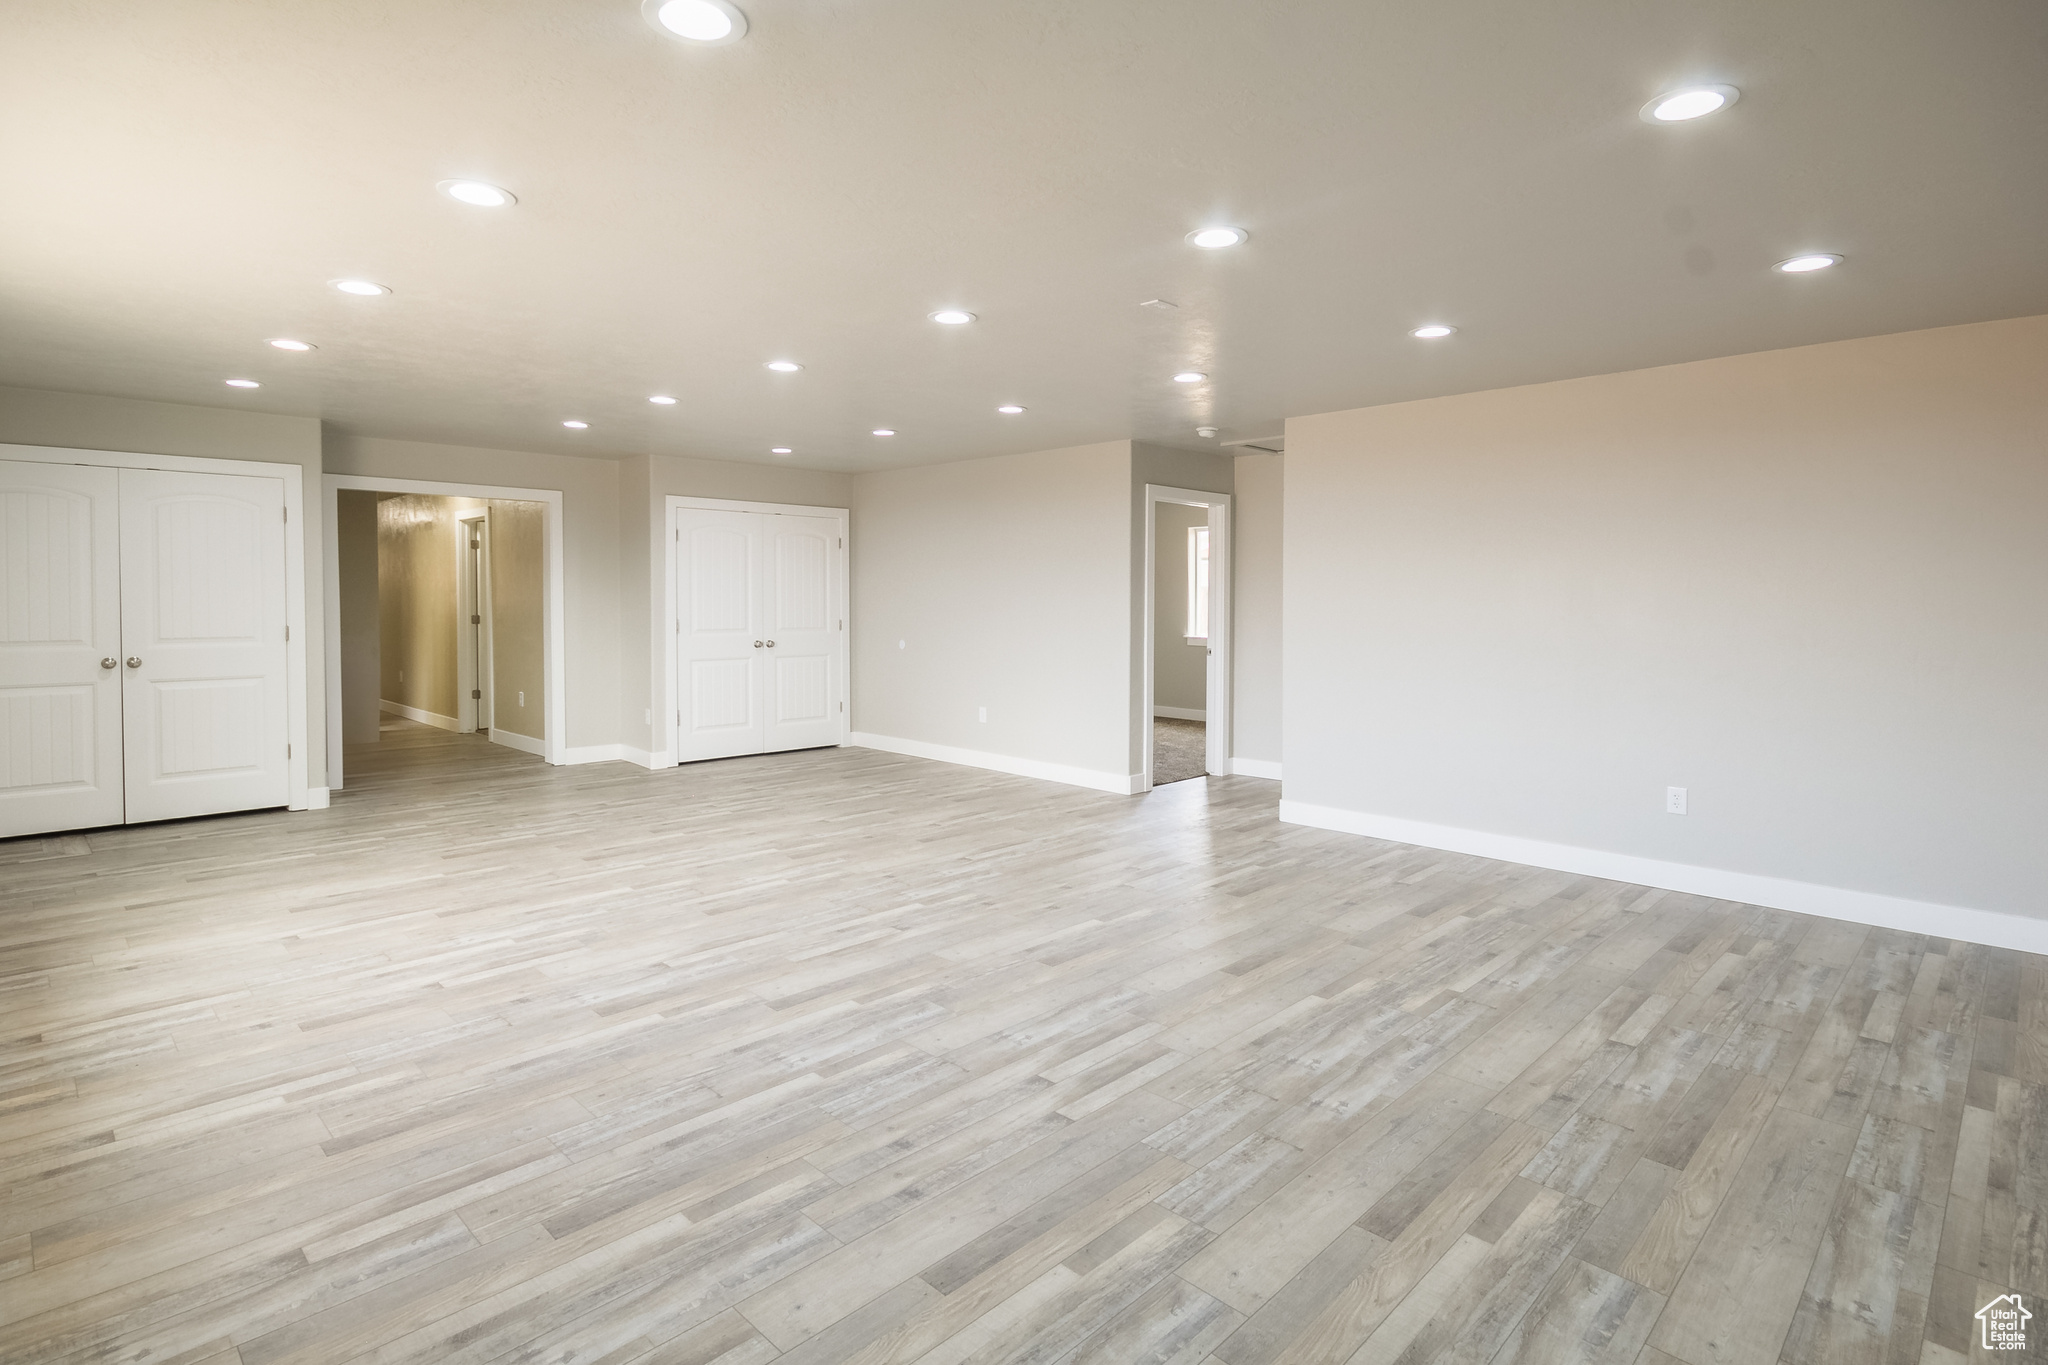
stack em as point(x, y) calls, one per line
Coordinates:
point(842, 1056)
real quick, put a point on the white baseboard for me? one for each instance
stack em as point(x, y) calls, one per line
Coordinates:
point(628, 754)
point(525, 744)
point(394, 708)
point(1121, 784)
point(1256, 767)
point(593, 753)
point(317, 798)
point(1180, 713)
point(1995, 928)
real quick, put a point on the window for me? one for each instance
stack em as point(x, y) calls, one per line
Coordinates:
point(1198, 583)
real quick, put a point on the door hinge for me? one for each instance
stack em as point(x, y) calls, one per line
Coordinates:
point(287, 632)
point(842, 542)
point(287, 751)
point(475, 619)
point(284, 513)
point(476, 694)
point(842, 706)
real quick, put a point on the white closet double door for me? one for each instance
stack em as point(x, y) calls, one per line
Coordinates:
point(760, 633)
point(142, 645)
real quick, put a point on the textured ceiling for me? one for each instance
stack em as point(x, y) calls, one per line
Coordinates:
point(182, 178)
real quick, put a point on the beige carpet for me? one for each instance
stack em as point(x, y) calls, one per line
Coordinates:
point(1179, 750)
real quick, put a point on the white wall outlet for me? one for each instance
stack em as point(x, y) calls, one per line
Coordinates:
point(984, 715)
point(1674, 800)
point(522, 699)
point(901, 643)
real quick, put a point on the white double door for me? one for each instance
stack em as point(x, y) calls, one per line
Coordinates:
point(760, 633)
point(142, 645)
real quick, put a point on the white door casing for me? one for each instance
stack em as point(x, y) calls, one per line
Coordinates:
point(203, 627)
point(759, 663)
point(60, 621)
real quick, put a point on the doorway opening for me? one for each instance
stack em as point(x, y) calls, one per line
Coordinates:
point(443, 613)
point(1186, 718)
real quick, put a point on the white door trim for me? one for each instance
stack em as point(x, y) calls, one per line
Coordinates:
point(554, 721)
point(1217, 699)
point(297, 722)
point(669, 620)
point(473, 647)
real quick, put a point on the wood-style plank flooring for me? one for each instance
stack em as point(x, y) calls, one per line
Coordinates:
point(843, 1056)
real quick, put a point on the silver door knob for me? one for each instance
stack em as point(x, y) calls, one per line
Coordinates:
point(110, 663)
point(771, 644)
point(757, 644)
point(134, 662)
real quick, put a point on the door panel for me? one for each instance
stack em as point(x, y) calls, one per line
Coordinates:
point(758, 642)
point(719, 677)
point(60, 615)
point(802, 568)
point(202, 566)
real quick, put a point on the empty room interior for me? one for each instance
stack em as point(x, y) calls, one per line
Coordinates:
point(701, 683)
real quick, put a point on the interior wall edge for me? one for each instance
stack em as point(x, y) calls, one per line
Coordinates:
point(1995, 928)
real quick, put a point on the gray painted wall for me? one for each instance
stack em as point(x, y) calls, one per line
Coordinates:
point(1255, 615)
point(1806, 585)
point(1007, 580)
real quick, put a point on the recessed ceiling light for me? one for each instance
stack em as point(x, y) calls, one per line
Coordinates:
point(1214, 238)
point(477, 192)
point(1432, 331)
point(1803, 265)
point(952, 317)
point(707, 22)
point(884, 431)
point(362, 287)
point(243, 384)
point(287, 344)
point(1206, 433)
point(662, 399)
point(784, 366)
point(1189, 377)
point(1009, 409)
point(778, 450)
point(577, 426)
point(1692, 102)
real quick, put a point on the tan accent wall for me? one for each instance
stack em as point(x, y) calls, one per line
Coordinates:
point(518, 662)
point(1179, 669)
point(1805, 585)
point(1255, 609)
point(355, 533)
point(417, 541)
